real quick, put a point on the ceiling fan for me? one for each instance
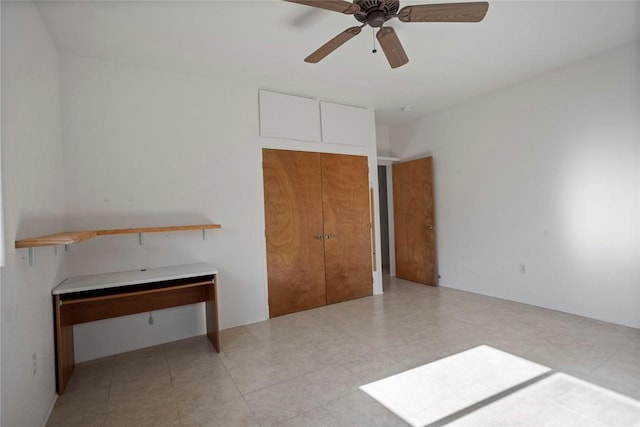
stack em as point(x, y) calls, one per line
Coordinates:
point(376, 13)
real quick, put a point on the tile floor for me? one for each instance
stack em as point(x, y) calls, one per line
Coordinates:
point(304, 369)
point(486, 387)
point(558, 400)
point(438, 390)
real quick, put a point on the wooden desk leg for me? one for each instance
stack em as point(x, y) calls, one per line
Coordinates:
point(212, 315)
point(65, 361)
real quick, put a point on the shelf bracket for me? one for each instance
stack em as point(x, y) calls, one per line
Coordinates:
point(204, 234)
point(140, 239)
point(66, 248)
point(32, 257)
point(55, 251)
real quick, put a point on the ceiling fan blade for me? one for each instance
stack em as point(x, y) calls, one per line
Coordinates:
point(392, 47)
point(333, 44)
point(334, 5)
point(445, 12)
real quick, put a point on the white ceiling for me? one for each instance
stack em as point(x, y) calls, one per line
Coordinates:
point(264, 43)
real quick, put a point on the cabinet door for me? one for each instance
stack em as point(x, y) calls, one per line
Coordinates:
point(289, 116)
point(293, 227)
point(344, 124)
point(345, 202)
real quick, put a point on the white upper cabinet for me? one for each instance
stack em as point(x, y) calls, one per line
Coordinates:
point(307, 119)
point(345, 124)
point(289, 117)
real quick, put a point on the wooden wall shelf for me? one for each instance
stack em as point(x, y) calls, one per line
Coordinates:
point(66, 238)
point(70, 237)
point(157, 229)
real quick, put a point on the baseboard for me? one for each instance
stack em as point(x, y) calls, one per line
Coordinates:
point(53, 403)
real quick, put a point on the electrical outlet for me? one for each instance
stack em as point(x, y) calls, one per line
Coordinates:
point(522, 268)
point(34, 364)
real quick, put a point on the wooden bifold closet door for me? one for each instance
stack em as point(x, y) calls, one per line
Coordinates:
point(317, 229)
point(294, 230)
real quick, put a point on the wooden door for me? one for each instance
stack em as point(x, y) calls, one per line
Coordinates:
point(413, 210)
point(294, 230)
point(345, 201)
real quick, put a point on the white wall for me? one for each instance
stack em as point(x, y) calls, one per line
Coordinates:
point(383, 141)
point(146, 147)
point(32, 169)
point(547, 174)
point(142, 148)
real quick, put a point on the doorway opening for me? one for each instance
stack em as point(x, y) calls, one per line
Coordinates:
point(384, 218)
point(407, 228)
point(387, 239)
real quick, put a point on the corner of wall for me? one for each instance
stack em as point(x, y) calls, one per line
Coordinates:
point(33, 196)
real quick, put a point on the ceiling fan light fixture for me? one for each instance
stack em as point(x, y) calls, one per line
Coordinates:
point(375, 13)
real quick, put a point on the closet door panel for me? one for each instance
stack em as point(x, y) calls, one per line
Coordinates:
point(345, 206)
point(293, 228)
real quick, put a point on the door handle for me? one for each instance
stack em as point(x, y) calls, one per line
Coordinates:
point(330, 236)
point(319, 237)
point(428, 227)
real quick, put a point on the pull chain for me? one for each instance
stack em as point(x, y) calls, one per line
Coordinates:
point(373, 33)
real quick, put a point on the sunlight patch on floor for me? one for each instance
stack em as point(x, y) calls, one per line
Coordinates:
point(484, 386)
point(559, 400)
point(434, 391)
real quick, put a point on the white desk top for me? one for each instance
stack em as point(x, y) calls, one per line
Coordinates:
point(134, 277)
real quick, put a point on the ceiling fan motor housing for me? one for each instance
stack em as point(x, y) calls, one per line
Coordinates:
point(376, 12)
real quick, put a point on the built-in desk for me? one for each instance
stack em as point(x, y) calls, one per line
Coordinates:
point(103, 296)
